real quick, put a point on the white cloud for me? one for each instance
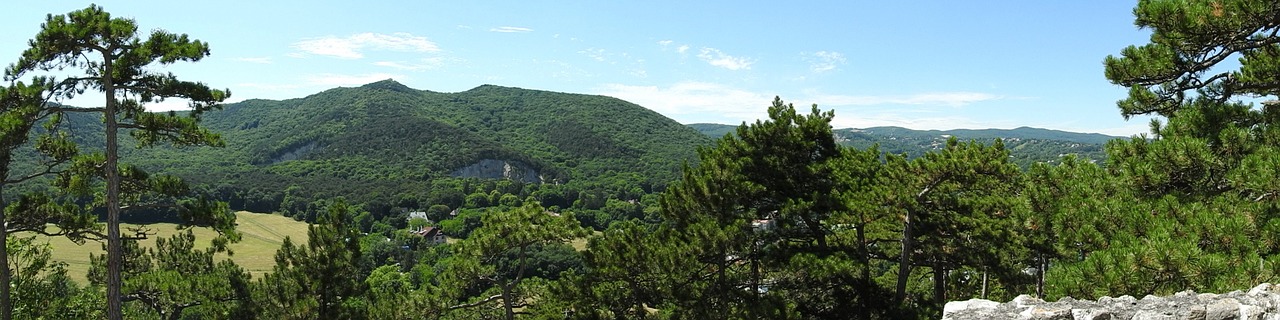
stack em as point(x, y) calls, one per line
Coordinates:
point(171, 104)
point(339, 80)
point(267, 86)
point(594, 54)
point(1124, 131)
point(692, 101)
point(950, 99)
point(714, 57)
point(681, 49)
point(510, 29)
point(423, 64)
point(823, 61)
point(260, 60)
point(917, 121)
point(350, 47)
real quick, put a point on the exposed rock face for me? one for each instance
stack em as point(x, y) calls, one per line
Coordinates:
point(499, 169)
point(1261, 302)
point(297, 152)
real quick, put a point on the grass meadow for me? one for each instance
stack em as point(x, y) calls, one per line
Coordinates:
point(261, 236)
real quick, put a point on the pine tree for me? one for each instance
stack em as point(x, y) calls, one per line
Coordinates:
point(777, 221)
point(320, 280)
point(959, 205)
point(22, 108)
point(1206, 175)
point(114, 60)
point(478, 261)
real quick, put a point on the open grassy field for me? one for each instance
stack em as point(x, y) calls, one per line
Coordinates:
point(262, 235)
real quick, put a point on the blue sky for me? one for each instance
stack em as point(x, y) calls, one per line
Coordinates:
point(914, 64)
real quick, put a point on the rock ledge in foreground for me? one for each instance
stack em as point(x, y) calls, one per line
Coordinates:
point(1261, 302)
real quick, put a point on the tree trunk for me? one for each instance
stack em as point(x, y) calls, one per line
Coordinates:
point(6, 301)
point(865, 282)
point(904, 263)
point(506, 301)
point(939, 283)
point(755, 271)
point(1040, 268)
point(984, 283)
point(114, 259)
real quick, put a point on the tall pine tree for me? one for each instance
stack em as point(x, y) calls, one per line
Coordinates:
point(114, 60)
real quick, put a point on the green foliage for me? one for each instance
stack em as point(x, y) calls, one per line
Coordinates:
point(176, 279)
point(115, 60)
point(492, 266)
point(776, 221)
point(41, 287)
point(1195, 209)
point(372, 144)
point(1026, 145)
point(780, 219)
point(319, 280)
point(960, 205)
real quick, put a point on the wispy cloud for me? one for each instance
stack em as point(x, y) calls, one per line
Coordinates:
point(422, 64)
point(594, 53)
point(883, 118)
point(692, 101)
point(681, 49)
point(950, 99)
point(823, 61)
point(259, 60)
point(351, 47)
point(267, 86)
point(171, 104)
point(1128, 130)
point(717, 58)
point(510, 29)
point(334, 80)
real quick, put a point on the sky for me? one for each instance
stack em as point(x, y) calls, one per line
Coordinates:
point(913, 64)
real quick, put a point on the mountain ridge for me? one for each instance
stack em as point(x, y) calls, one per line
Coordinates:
point(384, 141)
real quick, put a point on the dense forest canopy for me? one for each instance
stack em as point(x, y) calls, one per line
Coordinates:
point(605, 210)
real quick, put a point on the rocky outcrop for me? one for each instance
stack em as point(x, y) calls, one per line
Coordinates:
point(499, 169)
point(1261, 302)
point(296, 152)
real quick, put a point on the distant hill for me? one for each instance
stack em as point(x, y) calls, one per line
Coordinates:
point(1026, 145)
point(1020, 133)
point(713, 130)
point(384, 140)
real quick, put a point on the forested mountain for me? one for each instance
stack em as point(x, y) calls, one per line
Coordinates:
point(607, 210)
point(385, 141)
point(1026, 145)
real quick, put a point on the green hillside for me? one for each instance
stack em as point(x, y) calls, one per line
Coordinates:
point(714, 130)
point(383, 141)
